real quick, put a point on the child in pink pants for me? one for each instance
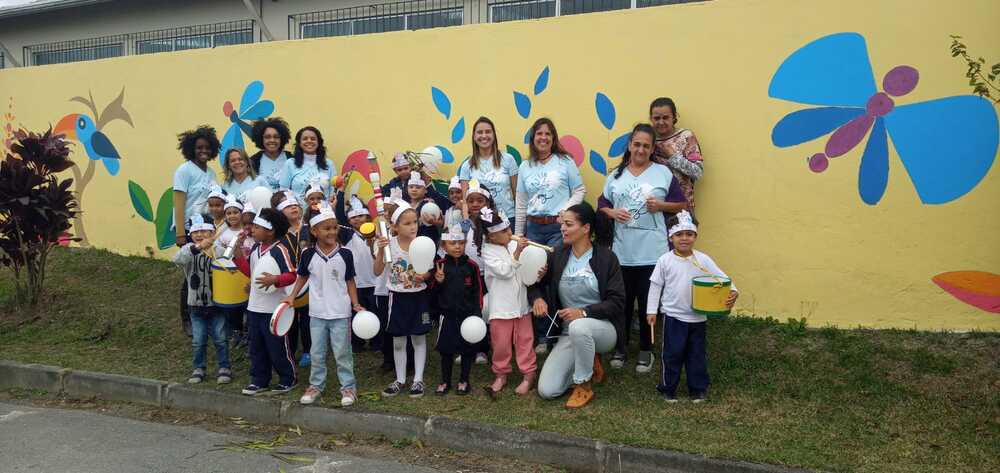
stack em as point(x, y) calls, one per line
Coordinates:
point(506, 305)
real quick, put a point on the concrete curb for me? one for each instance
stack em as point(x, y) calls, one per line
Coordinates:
point(572, 453)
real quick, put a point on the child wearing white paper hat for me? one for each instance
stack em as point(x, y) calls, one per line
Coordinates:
point(409, 304)
point(296, 240)
point(506, 303)
point(670, 295)
point(329, 269)
point(364, 264)
point(457, 291)
point(206, 321)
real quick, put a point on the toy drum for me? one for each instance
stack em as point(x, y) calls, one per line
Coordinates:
point(709, 294)
point(228, 286)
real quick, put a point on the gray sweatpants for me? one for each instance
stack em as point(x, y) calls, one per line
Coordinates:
point(572, 359)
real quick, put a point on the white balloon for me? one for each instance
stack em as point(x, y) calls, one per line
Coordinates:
point(422, 253)
point(365, 325)
point(532, 260)
point(265, 264)
point(473, 329)
point(432, 159)
point(260, 197)
point(430, 211)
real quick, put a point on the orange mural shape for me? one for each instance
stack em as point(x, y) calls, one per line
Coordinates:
point(976, 288)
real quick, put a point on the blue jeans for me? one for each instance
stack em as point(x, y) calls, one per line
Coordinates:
point(205, 322)
point(335, 334)
point(683, 346)
point(550, 235)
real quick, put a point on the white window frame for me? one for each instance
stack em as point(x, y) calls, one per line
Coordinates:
point(405, 16)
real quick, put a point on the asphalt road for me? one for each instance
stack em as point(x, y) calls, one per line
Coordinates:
point(55, 440)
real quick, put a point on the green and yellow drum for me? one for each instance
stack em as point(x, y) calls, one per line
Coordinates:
point(709, 294)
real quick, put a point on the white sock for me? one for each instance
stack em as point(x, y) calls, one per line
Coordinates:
point(419, 356)
point(399, 358)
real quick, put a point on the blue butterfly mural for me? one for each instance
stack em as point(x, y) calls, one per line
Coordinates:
point(251, 108)
point(947, 145)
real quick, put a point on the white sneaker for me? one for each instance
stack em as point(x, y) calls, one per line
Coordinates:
point(311, 395)
point(645, 362)
point(480, 358)
point(541, 349)
point(348, 397)
point(458, 360)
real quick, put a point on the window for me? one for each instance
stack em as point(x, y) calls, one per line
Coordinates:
point(162, 45)
point(570, 7)
point(77, 54)
point(383, 23)
point(2, 63)
point(524, 10)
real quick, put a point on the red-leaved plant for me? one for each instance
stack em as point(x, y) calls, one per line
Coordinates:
point(36, 208)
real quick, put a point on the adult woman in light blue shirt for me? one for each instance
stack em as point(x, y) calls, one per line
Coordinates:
point(638, 193)
point(238, 175)
point(494, 170)
point(548, 183)
point(308, 165)
point(271, 135)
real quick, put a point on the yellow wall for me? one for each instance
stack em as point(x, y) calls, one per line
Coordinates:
point(798, 244)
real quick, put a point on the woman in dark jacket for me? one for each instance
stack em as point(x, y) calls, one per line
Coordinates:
point(585, 287)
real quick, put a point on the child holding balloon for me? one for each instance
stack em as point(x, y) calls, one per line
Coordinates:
point(267, 351)
point(329, 268)
point(409, 303)
point(458, 294)
point(507, 302)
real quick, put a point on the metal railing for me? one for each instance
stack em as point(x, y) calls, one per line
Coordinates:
point(2, 63)
point(420, 14)
point(146, 42)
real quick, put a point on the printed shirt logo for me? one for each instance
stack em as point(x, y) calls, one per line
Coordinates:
point(541, 186)
point(633, 198)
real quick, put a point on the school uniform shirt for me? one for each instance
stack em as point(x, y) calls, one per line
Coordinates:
point(259, 301)
point(508, 296)
point(548, 186)
point(401, 272)
point(328, 276)
point(238, 188)
point(382, 282)
point(298, 179)
point(496, 179)
point(670, 285)
point(643, 239)
point(364, 262)
point(196, 184)
point(269, 170)
point(197, 266)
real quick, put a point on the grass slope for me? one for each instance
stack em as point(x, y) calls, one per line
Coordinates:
point(831, 399)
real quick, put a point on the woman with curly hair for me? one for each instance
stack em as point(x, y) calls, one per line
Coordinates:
point(309, 164)
point(193, 181)
point(271, 136)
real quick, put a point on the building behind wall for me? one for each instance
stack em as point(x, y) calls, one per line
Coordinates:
point(38, 32)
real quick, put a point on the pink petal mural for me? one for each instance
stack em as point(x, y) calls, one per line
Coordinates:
point(976, 288)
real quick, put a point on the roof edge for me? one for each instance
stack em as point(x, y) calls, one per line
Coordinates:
point(36, 8)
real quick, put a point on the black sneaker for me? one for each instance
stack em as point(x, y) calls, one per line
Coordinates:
point(699, 397)
point(282, 389)
point(670, 398)
point(253, 390)
point(417, 389)
point(392, 389)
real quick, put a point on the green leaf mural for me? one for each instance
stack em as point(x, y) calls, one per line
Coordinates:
point(164, 217)
point(140, 201)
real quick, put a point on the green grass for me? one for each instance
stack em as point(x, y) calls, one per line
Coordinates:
point(782, 393)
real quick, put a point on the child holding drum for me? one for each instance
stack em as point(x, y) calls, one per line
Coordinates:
point(234, 226)
point(206, 320)
point(458, 293)
point(683, 329)
point(329, 269)
point(267, 351)
point(409, 303)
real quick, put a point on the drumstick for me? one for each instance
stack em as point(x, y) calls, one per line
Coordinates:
point(531, 243)
point(374, 178)
point(652, 332)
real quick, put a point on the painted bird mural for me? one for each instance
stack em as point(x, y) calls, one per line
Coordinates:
point(87, 130)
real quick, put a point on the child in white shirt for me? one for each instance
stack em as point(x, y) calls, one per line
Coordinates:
point(683, 329)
